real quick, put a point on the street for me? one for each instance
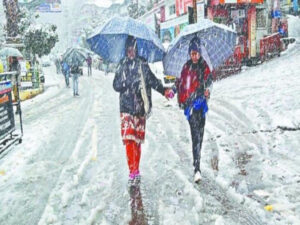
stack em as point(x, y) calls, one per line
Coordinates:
point(71, 167)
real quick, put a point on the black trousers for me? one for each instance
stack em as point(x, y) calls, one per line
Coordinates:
point(197, 123)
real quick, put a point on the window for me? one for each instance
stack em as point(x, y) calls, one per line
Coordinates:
point(172, 10)
point(261, 18)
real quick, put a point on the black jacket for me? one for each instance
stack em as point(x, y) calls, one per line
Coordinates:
point(127, 82)
point(75, 70)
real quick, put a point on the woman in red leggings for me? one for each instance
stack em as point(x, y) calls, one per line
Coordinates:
point(134, 81)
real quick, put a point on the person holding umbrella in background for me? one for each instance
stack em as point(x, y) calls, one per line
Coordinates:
point(134, 81)
point(75, 71)
point(74, 58)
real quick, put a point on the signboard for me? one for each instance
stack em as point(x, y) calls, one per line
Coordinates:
point(170, 29)
point(7, 121)
point(26, 84)
point(50, 6)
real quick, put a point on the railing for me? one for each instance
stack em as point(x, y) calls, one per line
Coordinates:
point(231, 66)
point(270, 46)
point(9, 84)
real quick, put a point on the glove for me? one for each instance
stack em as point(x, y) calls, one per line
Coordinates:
point(169, 93)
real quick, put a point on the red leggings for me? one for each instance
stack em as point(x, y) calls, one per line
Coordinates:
point(133, 151)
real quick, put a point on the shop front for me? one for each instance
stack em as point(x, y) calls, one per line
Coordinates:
point(249, 19)
point(171, 28)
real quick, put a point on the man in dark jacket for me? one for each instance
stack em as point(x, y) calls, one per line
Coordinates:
point(193, 92)
point(134, 81)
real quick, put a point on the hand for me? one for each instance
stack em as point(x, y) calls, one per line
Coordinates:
point(169, 93)
point(207, 93)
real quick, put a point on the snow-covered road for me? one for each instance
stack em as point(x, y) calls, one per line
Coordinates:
point(71, 167)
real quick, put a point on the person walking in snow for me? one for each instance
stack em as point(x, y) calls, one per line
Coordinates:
point(75, 71)
point(66, 72)
point(134, 81)
point(58, 65)
point(193, 92)
point(15, 79)
point(89, 64)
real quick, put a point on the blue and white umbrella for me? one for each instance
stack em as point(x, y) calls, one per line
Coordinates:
point(217, 44)
point(109, 42)
point(75, 56)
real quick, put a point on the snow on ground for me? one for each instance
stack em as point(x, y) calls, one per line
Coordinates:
point(71, 167)
point(256, 119)
point(253, 131)
point(293, 26)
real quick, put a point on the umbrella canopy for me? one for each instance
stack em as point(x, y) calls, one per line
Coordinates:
point(75, 56)
point(109, 42)
point(217, 43)
point(8, 51)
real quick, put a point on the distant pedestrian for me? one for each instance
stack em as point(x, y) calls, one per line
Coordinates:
point(100, 64)
point(14, 66)
point(134, 81)
point(89, 64)
point(75, 71)
point(58, 65)
point(66, 73)
point(15, 79)
point(193, 92)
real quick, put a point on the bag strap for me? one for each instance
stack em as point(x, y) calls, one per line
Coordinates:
point(144, 91)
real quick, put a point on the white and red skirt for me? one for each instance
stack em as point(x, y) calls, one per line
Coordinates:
point(133, 128)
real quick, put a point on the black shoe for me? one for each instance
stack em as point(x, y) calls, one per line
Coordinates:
point(77, 94)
